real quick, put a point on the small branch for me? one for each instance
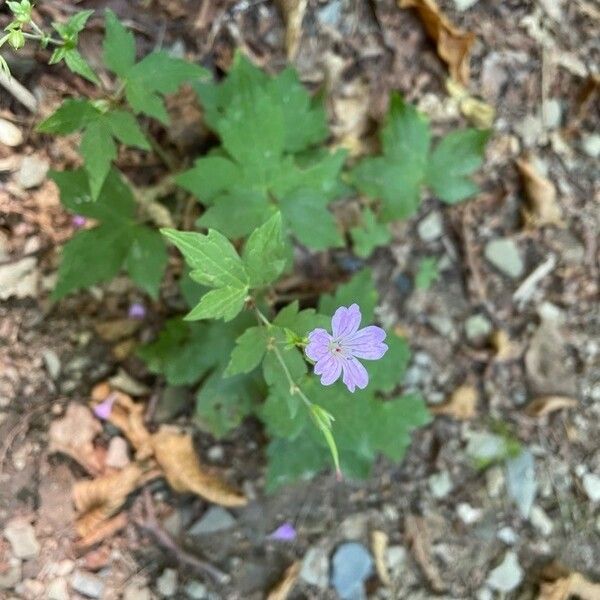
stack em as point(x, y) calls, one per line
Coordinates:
point(20, 92)
point(152, 526)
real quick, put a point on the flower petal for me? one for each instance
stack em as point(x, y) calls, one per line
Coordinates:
point(330, 369)
point(355, 375)
point(366, 343)
point(345, 321)
point(318, 344)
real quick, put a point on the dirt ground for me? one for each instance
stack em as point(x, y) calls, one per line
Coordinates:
point(509, 352)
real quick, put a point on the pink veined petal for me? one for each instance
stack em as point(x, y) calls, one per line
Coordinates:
point(345, 321)
point(366, 343)
point(355, 375)
point(318, 344)
point(330, 369)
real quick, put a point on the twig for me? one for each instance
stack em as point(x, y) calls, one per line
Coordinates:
point(152, 526)
point(20, 92)
point(524, 292)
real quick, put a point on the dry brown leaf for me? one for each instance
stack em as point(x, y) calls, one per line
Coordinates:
point(177, 457)
point(282, 589)
point(543, 208)
point(74, 434)
point(379, 544)
point(478, 112)
point(293, 15)
point(505, 348)
point(545, 405)
point(453, 44)
point(100, 530)
point(462, 404)
point(117, 329)
point(567, 587)
point(418, 538)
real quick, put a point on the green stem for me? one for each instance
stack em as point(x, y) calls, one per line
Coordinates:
point(40, 35)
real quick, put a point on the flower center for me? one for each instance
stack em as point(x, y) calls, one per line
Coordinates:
point(336, 348)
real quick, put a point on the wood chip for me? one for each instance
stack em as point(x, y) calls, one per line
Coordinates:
point(282, 589)
point(293, 14)
point(379, 544)
point(575, 585)
point(462, 404)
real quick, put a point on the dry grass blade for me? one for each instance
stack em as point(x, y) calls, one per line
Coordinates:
point(575, 585)
point(282, 589)
point(100, 530)
point(545, 405)
point(293, 15)
point(462, 404)
point(543, 208)
point(177, 457)
point(418, 538)
point(379, 544)
point(453, 44)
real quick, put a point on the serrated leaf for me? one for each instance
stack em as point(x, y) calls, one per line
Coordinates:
point(69, 117)
point(91, 256)
point(118, 46)
point(76, 23)
point(147, 259)
point(453, 160)
point(265, 253)
point(301, 322)
point(360, 290)
point(210, 176)
point(283, 415)
point(248, 353)
point(98, 150)
point(126, 129)
point(387, 373)
point(79, 65)
point(371, 235)
point(223, 303)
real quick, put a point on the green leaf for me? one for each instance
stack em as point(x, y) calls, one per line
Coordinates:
point(118, 46)
point(388, 372)
point(125, 128)
point(210, 176)
point(147, 259)
point(272, 370)
point(98, 150)
point(301, 322)
point(360, 290)
point(71, 116)
point(223, 303)
point(427, 273)
point(79, 65)
point(279, 420)
point(248, 353)
point(76, 23)
point(264, 253)
point(371, 235)
point(91, 256)
point(213, 259)
point(454, 159)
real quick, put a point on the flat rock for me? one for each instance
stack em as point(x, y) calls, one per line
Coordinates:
point(431, 227)
point(467, 514)
point(136, 591)
point(477, 328)
point(117, 455)
point(504, 254)
point(464, 4)
point(166, 584)
point(87, 584)
point(591, 485)
point(521, 482)
point(507, 575)
point(440, 484)
point(540, 520)
point(351, 566)
point(196, 590)
point(19, 279)
point(213, 520)
point(21, 536)
point(52, 363)
point(10, 577)
point(58, 589)
point(591, 145)
point(10, 135)
point(32, 172)
point(315, 567)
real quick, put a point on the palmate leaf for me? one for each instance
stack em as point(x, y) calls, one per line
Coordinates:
point(371, 235)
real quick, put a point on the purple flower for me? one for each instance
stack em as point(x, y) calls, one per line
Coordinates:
point(336, 354)
point(78, 221)
point(103, 410)
point(137, 311)
point(284, 533)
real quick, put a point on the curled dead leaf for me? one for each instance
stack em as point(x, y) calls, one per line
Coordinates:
point(478, 112)
point(505, 348)
point(99, 530)
point(74, 434)
point(545, 405)
point(453, 44)
point(283, 588)
point(379, 544)
point(543, 208)
point(574, 585)
point(182, 468)
point(293, 14)
point(462, 404)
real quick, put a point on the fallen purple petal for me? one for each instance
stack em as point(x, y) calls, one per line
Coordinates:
point(103, 410)
point(137, 311)
point(284, 533)
point(78, 221)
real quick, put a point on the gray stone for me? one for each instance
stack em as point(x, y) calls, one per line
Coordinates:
point(196, 590)
point(440, 484)
point(10, 134)
point(88, 584)
point(591, 485)
point(32, 172)
point(467, 514)
point(21, 537)
point(19, 279)
point(52, 363)
point(431, 227)
point(11, 576)
point(355, 526)
point(508, 535)
point(166, 584)
point(484, 447)
point(552, 113)
point(395, 558)
point(213, 520)
point(540, 520)
point(117, 455)
point(521, 481)
point(443, 325)
point(464, 4)
point(315, 567)
point(507, 575)
point(216, 453)
point(504, 255)
point(136, 591)
point(478, 328)
point(351, 566)
point(591, 145)
point(57, 589)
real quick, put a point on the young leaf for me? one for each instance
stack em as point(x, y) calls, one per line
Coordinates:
point(371, 235)
point(147, 259)
point(359, 289)
point(69, 117)
point(454, 159)
point(248, 353)
point(223, 303)
point(77, 64)
point(118, 46)
point(126, 129)
point(98, 151)
point(264, 253)
point(300, 322)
